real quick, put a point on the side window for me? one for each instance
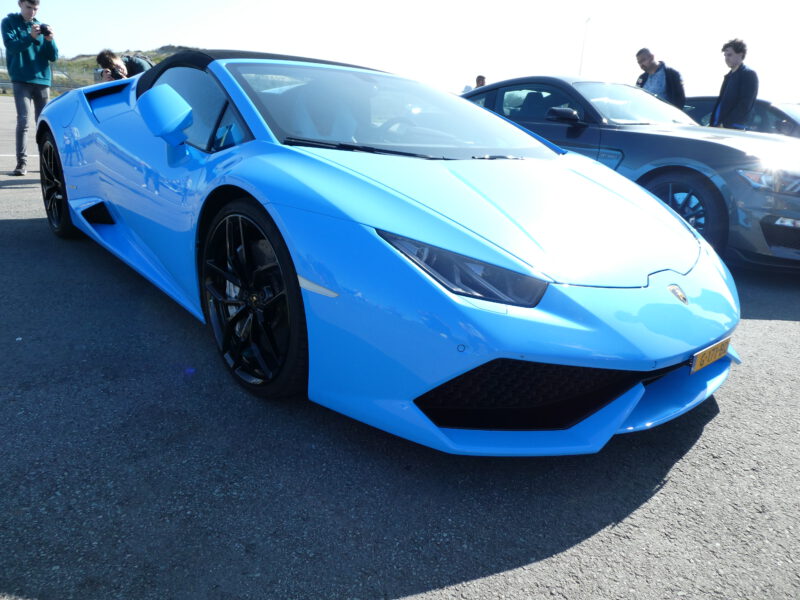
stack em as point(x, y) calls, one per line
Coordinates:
point(205, 97)
point(512, 100)
point(479, 100)
point(784, 124)
point(699, 110)
point(758, 118)
point(230, 131)
point(531, 102)
point(773, 121)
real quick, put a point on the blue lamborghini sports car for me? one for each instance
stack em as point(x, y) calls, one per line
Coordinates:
point(393, 252)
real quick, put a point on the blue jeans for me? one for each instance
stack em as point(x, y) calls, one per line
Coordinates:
point(26, 94)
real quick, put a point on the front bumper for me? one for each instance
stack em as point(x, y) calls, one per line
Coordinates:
point(384, 335)
point(640, 408)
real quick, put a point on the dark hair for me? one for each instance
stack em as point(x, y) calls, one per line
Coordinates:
point(106, 58)
point(737, 45)
point(644, 51)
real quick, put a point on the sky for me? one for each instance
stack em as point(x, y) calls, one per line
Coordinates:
point(446, 43)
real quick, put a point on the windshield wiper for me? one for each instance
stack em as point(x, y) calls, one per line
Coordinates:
point(497, 157)
point(297, 141)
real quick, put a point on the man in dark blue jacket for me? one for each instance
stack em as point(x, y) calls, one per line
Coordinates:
point(737, 97)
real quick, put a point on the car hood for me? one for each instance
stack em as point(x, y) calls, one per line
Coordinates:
point(567, 217)
point(777, 151)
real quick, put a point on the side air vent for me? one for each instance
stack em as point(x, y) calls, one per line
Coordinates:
point(110, 100)
point(98, 214)
point(107, 90)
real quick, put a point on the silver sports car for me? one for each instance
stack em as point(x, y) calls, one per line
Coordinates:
point(741, 190)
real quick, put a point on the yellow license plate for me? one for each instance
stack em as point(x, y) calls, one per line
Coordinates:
point(710, 355)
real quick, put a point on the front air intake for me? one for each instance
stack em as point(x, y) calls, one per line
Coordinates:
point(507, 394)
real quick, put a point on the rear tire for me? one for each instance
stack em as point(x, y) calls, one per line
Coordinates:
point(252, 302)
point(54, 189)
point(696, 200)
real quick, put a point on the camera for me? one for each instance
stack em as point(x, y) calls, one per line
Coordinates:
point(115, 74)
point(44, 29)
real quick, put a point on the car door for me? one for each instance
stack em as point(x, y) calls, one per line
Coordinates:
point(528, 104)
point(159, 187)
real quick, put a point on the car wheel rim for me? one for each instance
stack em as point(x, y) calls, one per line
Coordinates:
point(246, 298)
point(52, 181)
point(685, 201)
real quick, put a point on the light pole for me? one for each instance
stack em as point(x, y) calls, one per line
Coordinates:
point(583, 44)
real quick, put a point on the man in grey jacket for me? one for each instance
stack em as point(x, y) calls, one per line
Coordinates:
point(659, 79)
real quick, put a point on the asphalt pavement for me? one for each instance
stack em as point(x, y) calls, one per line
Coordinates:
point(132, 466)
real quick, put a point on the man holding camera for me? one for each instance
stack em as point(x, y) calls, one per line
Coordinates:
point(30, 48)
point(115, 67)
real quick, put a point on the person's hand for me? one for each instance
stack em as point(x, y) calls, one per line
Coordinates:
point(105, 75)
point(49, 36)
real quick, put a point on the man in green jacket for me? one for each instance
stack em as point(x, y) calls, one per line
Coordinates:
point(30, 49)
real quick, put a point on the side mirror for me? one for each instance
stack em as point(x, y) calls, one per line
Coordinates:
point(560, 113)
point(165, 113)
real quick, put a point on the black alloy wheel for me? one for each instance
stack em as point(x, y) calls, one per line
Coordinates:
point(252, 302)
point(54, 189)
point(697, 201)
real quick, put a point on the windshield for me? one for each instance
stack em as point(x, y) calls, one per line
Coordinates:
point(360, 110)
point(627, 105)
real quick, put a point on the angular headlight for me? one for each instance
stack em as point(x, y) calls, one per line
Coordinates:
point(469, 277)
point(782, 182)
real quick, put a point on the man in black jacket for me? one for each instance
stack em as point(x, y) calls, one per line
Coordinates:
point(739, 89)
point(120, 67)
point(659, 79)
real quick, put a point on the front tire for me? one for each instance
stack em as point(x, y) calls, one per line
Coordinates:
point(252, 302)
point(54, 189)
point(696, 200)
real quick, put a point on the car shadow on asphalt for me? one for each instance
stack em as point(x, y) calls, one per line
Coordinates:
point(133, 466)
